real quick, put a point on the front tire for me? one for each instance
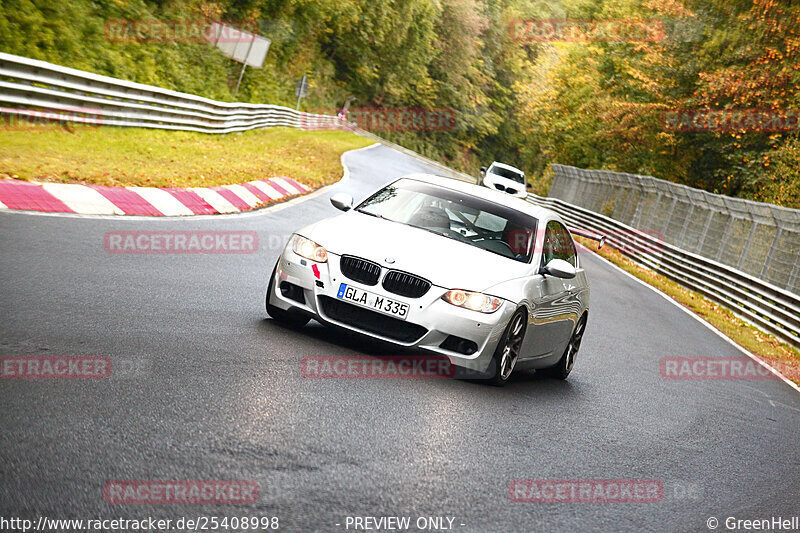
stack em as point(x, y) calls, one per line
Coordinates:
point(507, 351)
point(564, 366)
point(287, 318)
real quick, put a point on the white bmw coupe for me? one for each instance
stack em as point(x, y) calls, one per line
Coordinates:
point(490, 281)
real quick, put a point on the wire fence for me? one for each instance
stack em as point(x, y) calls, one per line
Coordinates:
point(760, 239)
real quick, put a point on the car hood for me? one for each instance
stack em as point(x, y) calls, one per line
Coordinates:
point(443, 261)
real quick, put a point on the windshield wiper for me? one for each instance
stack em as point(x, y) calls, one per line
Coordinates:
point(376, 215)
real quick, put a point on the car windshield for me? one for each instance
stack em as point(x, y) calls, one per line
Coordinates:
point(465, 218)
point(507, 173)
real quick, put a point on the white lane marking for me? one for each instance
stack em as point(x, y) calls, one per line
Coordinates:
point(699, 319)
point(288, 187)
point(246, 196)
point(82, 199)
point(215, 200)
point(267, 189)
point(162, 200)
point(245, 214)
point(771, 401)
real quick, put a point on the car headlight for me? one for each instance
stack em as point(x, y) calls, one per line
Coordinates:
point(476, 301)
point(309, 249)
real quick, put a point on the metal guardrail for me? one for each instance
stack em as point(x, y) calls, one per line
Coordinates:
point(769, 307)
point(37, 89)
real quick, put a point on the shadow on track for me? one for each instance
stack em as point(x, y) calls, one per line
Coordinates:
point(331, 339)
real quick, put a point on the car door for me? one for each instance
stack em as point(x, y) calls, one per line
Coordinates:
point(554, 310)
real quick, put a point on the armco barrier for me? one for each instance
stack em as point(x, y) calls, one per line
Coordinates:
point(35, 89)
point(769, 307)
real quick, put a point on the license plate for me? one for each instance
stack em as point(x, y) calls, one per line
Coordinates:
point(373, 301)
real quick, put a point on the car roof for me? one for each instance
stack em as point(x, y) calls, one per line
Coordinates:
point(492, 195)
point(507, 167)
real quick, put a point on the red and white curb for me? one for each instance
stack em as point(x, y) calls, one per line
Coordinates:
point(152, 201)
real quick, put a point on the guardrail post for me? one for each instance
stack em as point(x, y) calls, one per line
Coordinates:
point(723, 242)
point(771, 252)
point(747, 244)
point(686, 225)
point(669, 217)
point(636, 217)
point(705, 230)
point(655, 207)
point(793, 275)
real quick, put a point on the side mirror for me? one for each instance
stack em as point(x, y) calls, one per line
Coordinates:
point(560, 269)
point(342, 201)
point(528, 185)
point(483, 171)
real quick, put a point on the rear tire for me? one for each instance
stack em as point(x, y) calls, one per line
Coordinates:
point(287, 318)
point(564, 366)
point(507, 351)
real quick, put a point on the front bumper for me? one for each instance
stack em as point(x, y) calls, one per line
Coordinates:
point(430, 325)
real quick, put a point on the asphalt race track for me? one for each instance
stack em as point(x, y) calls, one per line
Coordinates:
point(206, 387)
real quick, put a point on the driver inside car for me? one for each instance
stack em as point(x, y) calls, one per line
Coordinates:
point(518, 238)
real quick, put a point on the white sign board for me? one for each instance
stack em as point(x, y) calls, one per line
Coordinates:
point(240, 45)
point(258, 52)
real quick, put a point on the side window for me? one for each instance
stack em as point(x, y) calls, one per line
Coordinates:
point(549, 246)
point(558, 244)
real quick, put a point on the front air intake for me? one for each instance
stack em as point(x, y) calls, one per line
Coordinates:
point(370, 321)
point(405, 284)
point(360, 270)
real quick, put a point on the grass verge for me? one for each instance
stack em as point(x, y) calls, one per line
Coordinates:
point(160, 158)
point(781, 356)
